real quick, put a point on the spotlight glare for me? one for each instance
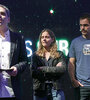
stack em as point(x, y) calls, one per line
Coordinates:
point(51, 11)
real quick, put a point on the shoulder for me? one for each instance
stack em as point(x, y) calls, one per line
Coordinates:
point(61, 56)
point(16, 34)
point(35, 55)
point(60, 53)
point(77, 39)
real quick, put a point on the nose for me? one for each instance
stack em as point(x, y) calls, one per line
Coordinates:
point(82, 27)
point(44, 39)
point(0, 15)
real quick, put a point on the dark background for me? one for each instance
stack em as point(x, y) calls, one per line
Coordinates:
point(29, 17)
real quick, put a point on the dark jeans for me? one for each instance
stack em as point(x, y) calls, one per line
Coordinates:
point(82, 93)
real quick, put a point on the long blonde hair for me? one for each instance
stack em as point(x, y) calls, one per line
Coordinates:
point(53, 47)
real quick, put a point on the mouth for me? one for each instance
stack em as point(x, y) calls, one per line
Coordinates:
point(83, 31)
point(44, 43)
point(0, 20)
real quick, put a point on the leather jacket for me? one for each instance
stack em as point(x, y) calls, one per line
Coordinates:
point(48, 74)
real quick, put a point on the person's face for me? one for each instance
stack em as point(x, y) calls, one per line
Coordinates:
point(4, 19)
point(84, 27)
point(46, 40)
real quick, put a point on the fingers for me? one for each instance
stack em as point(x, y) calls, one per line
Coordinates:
point(13, 72)
point(76, 83)
point(80, 84)
point(59, 64)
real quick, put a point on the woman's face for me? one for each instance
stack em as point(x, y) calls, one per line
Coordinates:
point(46, 40)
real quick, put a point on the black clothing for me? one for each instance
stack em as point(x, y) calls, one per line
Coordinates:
point(82, 93)
point(13, 98)
point(18, 58)
point(49, 72)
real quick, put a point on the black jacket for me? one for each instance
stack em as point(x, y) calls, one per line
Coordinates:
point(49, 72)
point(18, 58)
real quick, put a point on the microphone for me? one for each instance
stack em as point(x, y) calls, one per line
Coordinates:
point(80, 30)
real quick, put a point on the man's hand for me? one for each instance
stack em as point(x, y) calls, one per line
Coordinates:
point(76, 83)
point(13, 72)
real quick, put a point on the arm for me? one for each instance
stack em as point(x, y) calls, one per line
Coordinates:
point(58, 69)
point(36, 62)
point(55, 71)
point(58, 66)
point(19, 60)
point(71, 70)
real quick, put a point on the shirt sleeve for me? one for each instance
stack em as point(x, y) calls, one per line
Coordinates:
point(72, 49)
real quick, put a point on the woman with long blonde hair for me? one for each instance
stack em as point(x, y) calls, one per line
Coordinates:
point(48, 65)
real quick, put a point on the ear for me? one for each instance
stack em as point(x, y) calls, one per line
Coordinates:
point(52, 39)
point(8, 19)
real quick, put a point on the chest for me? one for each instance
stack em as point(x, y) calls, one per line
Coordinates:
point(83, 48)
point(5, 48)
